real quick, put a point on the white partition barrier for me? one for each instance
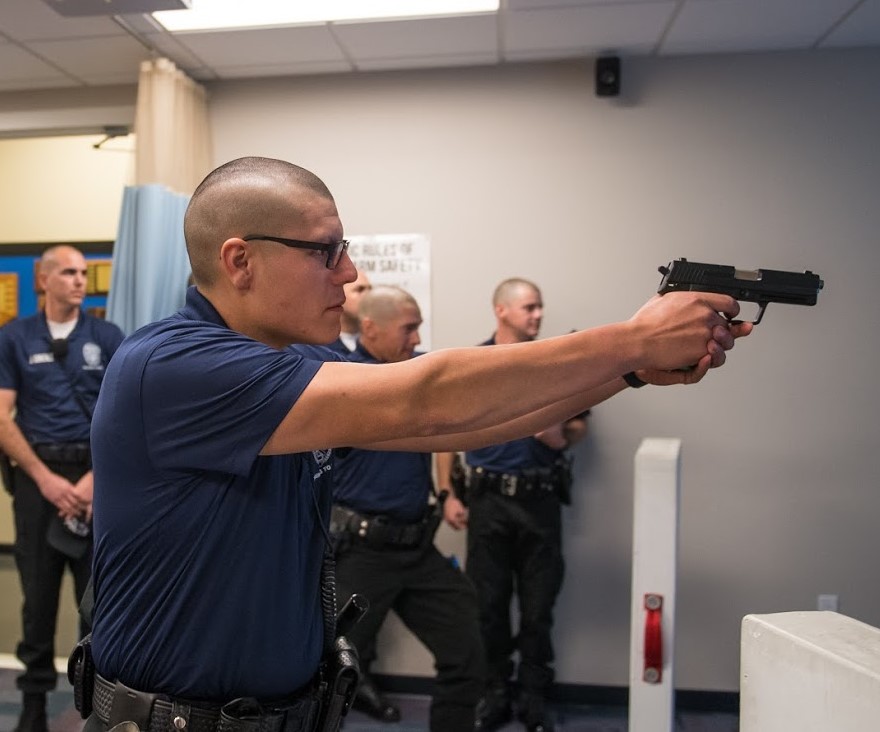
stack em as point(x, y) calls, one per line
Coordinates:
point(809, 672)
point(655, 557)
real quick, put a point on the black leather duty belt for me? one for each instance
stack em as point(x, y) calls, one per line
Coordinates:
point(78, 453)
point(377, 530)
point(541, 481)
point(114, 703)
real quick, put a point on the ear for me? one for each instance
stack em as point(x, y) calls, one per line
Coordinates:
point(236, 264)
point(367, 327)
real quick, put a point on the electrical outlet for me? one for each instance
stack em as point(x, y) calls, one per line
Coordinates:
point(826, 602)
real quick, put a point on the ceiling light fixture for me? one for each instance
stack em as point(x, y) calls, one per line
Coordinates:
point(230, 14)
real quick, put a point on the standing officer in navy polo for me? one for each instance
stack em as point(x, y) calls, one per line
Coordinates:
point(514, 492)
point(384, 528)
point(51, 368)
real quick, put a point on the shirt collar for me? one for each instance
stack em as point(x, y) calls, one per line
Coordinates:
point(198, 307)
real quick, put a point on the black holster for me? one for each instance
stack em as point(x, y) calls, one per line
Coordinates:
point(340, 676)
point(564, 479)
point(458, 478)
point(81, 675)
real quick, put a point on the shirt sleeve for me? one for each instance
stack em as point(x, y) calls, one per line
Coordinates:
point(10, 370)
point(212, 402)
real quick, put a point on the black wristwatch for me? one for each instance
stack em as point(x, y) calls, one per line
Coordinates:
point(634, 381)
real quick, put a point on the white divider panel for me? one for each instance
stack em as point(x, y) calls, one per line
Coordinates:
point(809, 672)
point(655, 556)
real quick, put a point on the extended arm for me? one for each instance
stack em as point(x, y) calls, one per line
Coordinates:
point(554, 415)
point(456, 391)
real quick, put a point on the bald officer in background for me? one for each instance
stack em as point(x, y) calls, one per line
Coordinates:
point(384, 529)
point(51, 368)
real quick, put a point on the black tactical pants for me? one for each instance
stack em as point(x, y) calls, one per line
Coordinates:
point(437, 603)
point(41, 570)
point(515, 546)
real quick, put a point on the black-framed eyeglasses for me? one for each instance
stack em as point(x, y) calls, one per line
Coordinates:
point(334, 249)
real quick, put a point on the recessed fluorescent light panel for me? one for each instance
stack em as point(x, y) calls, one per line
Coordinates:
point(228, 14)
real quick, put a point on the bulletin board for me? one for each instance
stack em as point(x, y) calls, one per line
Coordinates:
point(18, 265)
point(8, 297)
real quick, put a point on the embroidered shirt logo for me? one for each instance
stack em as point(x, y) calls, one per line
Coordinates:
point(322, 457)
point(92, 357)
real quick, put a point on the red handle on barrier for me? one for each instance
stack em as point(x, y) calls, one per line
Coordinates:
point(653, 672)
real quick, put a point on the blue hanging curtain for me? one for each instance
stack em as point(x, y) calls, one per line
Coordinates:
point(150, 265)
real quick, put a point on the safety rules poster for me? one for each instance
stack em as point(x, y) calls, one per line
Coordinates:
point(398, 259)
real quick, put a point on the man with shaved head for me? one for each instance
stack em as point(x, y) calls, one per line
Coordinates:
point(384, 528)
point(213, 440)
point(51, 367)
point(514, 546)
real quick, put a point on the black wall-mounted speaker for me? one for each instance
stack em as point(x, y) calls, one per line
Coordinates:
point(607, 76)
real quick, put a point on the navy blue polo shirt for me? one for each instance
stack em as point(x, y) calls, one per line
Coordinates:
point(47, 408)
point(390, 483)
point(207, 555)
point(515, 456)
point(339, 347)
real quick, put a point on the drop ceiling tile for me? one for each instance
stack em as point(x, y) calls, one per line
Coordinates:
point(529, 33)
point(752, 25)
point(466, 36)
point(96, 59)
point(169, 46)
point(70, 51)
point(29, 20)
point(553, 4)
point(557, 54)
point(266, 47)
point(862, 28)
point(247, 72)
point(427, 62)
point(18, 67)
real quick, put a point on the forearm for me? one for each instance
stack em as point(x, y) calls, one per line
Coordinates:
point(527, 386)
point(452, 391)
point(525, 426)
point(443, 462)
point(470, 390)
point(14, 444)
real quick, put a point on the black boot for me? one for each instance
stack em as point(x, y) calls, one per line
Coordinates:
point(372, 702)
point(494, 709)
point(532, 711)
point(33, 713)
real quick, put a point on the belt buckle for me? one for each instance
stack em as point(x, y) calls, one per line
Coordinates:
point(508, 484)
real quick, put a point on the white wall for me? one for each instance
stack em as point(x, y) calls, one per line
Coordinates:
point(756, 161)
point(61, 189)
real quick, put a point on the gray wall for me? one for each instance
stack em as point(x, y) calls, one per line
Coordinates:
point(757, 161)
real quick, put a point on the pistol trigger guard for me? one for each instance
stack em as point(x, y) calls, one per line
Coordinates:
point(762, 307)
